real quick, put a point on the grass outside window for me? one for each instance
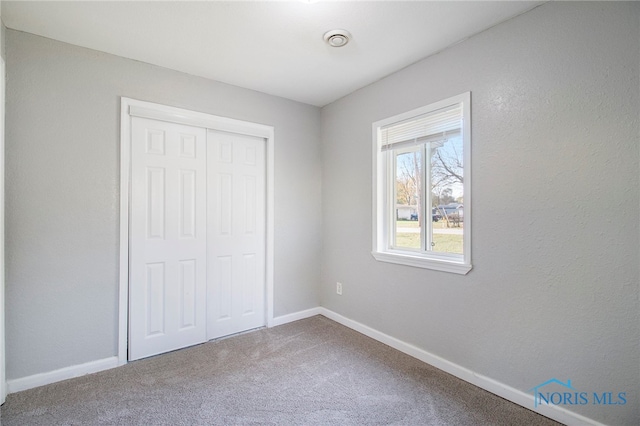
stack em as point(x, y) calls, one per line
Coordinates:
point(450, 243)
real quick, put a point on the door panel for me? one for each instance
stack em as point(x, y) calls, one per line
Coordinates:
point(168, 240)
point(236, 233)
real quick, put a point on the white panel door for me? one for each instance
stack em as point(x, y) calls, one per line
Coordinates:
point(236, 230)
point(167, 237)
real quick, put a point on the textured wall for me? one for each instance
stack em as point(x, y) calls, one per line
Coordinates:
point(62, 169)
point(2, 257)
point(555, 158)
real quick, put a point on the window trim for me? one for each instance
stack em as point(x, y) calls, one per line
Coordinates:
point(380, 206)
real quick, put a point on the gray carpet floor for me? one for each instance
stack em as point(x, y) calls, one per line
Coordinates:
point(309, 372)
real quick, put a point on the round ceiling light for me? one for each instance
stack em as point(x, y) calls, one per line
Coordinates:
point(337, 38)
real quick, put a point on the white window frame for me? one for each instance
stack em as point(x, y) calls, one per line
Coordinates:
point(383, 207)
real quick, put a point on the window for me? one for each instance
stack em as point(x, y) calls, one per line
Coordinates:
point(421, 194)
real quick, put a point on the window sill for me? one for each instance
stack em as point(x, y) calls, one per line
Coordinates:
point(423, 262)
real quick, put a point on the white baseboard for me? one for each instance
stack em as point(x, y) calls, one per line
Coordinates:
point(24, 383)
point(295, 316)
point(516, 396)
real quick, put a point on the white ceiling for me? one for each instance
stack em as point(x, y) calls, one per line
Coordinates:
point(274, 47)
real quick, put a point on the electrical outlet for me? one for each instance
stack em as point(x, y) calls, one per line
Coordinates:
point(339, 288)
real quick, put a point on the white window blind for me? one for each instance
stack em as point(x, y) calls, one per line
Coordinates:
point(432, 127)
point(420, 158)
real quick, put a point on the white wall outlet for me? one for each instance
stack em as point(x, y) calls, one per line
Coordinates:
point(339, 288)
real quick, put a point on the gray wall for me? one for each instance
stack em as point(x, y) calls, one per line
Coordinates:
point(555, 158)
point(2, 269)
point(555, 149)
point(62, 151)
point(3, 31)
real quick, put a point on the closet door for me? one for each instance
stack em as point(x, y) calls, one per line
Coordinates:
point(167, 237)
point(236, 230)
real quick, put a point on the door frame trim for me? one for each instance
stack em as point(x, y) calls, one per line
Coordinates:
point(135, 108)
point(3, 378)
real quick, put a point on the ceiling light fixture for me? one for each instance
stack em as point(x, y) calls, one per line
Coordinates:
point(337, 38)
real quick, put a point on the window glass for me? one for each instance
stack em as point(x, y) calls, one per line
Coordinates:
point(421, 189)
point(447, 196)
point(408, 172)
